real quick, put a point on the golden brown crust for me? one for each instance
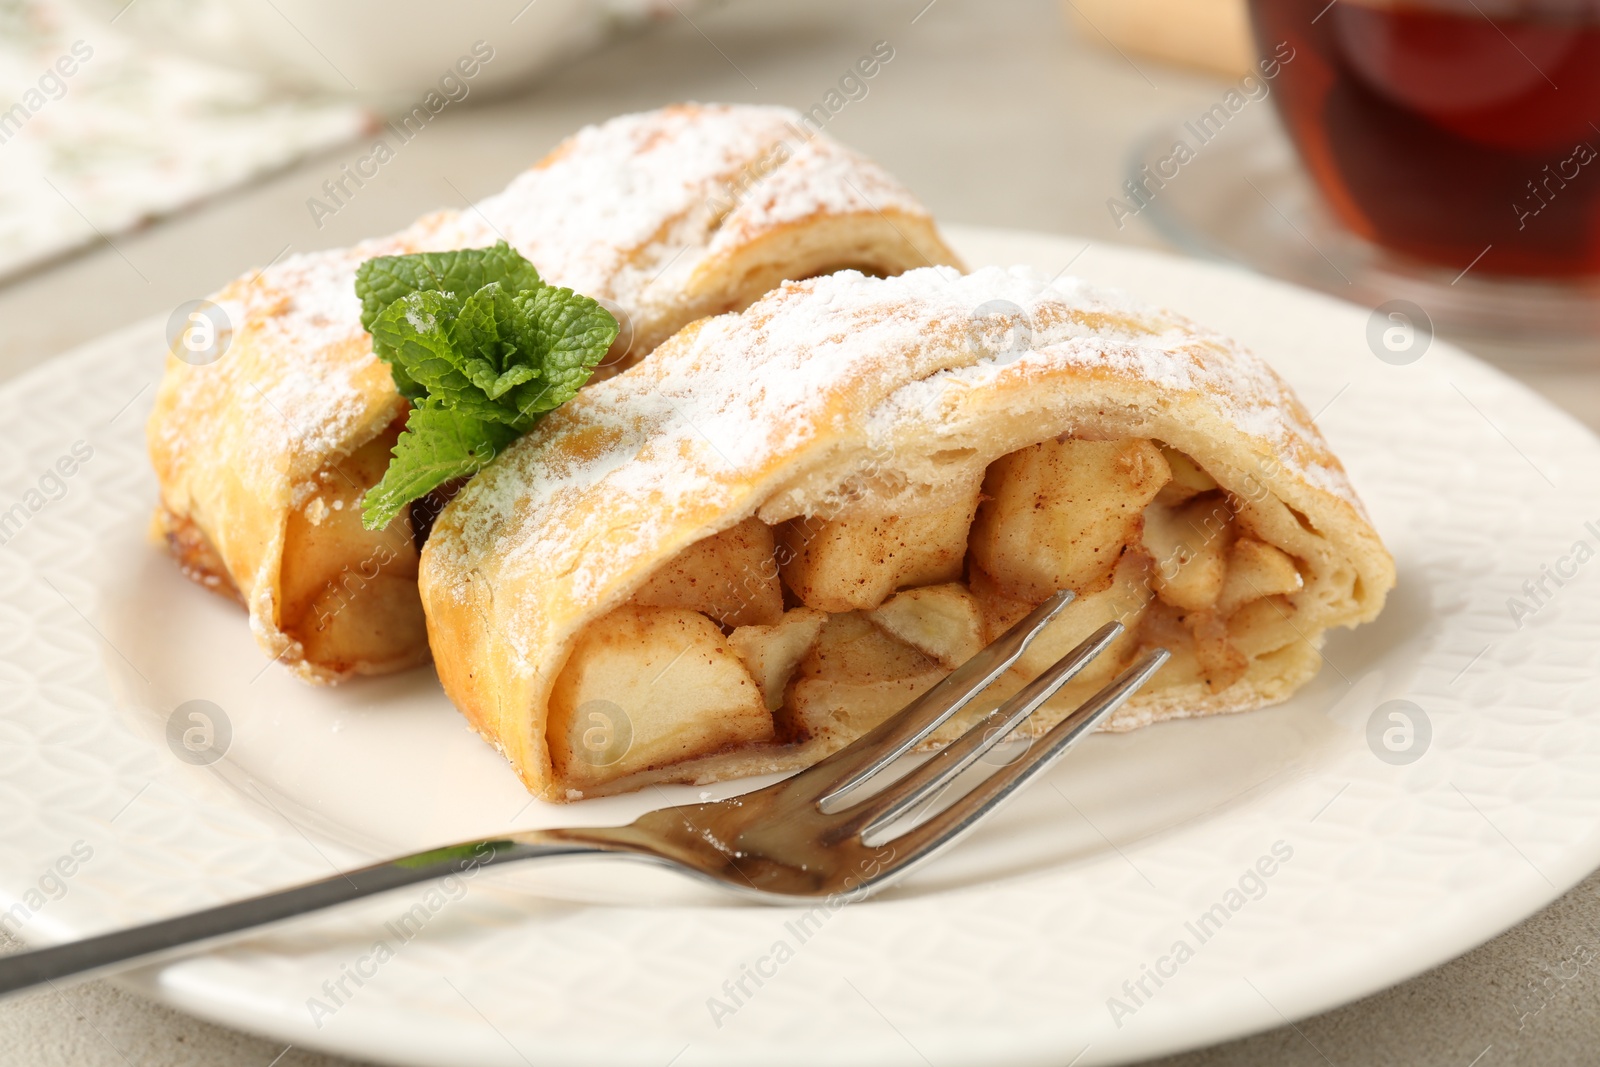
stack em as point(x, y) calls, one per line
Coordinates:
point(851, 392)
point(725, 202)
point(196, 557)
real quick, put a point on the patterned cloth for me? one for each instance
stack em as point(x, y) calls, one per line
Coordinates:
point(98, 134)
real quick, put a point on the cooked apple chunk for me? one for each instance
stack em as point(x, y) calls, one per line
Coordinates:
point(349, 594)
point(850, 648)
point(336, 634)
point(854, 677)
point(1263, 626)
point(771, 653)
point(1257, 570)
point(1058, 513)
point(1189, 545)
point(1000, 610)
point(848, 564)
point(1221, 664)
point(1188, 480)
point(1123, 600)
point(730, 576)
point(646, 687)
point(942, 621)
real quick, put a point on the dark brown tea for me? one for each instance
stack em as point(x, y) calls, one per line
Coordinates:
point(1445, 128)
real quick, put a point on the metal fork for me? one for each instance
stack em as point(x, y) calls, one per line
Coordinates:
point(816, 834)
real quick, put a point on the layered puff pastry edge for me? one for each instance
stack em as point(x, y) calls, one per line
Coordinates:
point(783, 524)
point(667, 216)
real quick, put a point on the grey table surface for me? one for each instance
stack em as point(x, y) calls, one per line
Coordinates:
point(996, 114)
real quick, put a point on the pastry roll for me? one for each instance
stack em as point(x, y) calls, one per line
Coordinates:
point(784, 524)
point(263, 455)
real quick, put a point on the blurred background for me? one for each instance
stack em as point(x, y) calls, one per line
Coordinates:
point(1434, 159)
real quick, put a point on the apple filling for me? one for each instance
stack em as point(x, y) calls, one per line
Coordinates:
point(346, 593)
point(816, 629)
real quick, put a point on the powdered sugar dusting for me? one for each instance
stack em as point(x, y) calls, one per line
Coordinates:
point(627, 211)
point(820, 176)
point(722, 411)
point(299, 369)
point(1145, 344)
point(636, 181)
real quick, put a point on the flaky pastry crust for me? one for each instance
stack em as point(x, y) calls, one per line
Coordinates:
point(665, 216)
point(849, 395)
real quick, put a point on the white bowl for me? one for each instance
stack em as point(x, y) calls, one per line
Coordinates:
point(389, 53)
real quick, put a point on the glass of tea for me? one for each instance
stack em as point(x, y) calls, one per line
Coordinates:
point(1457, 132)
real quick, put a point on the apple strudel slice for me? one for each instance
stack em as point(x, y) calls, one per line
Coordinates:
point(264, 455)
point(786, 523)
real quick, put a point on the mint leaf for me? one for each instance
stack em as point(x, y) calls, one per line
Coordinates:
point(487, 327)
point(438, 445)
point(573, 332)
point(418, 330)
point(482, 348)
point(382, 281)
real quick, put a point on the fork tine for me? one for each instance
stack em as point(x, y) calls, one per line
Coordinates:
point(941, 769)
point(898, 734)
point(944, 828)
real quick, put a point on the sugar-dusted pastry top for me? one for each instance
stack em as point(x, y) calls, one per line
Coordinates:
point(664, 216)
point(731, 399)
point(851, 397)
point(624, 211)
point(630, 210)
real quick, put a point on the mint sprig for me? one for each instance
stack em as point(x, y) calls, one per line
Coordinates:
point(482, 348)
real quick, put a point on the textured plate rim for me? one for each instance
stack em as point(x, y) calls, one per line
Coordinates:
point(185, 985)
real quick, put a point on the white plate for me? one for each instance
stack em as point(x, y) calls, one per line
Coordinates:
point(1007, 951)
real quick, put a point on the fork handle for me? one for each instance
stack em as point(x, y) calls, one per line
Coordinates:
point(26, 969)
